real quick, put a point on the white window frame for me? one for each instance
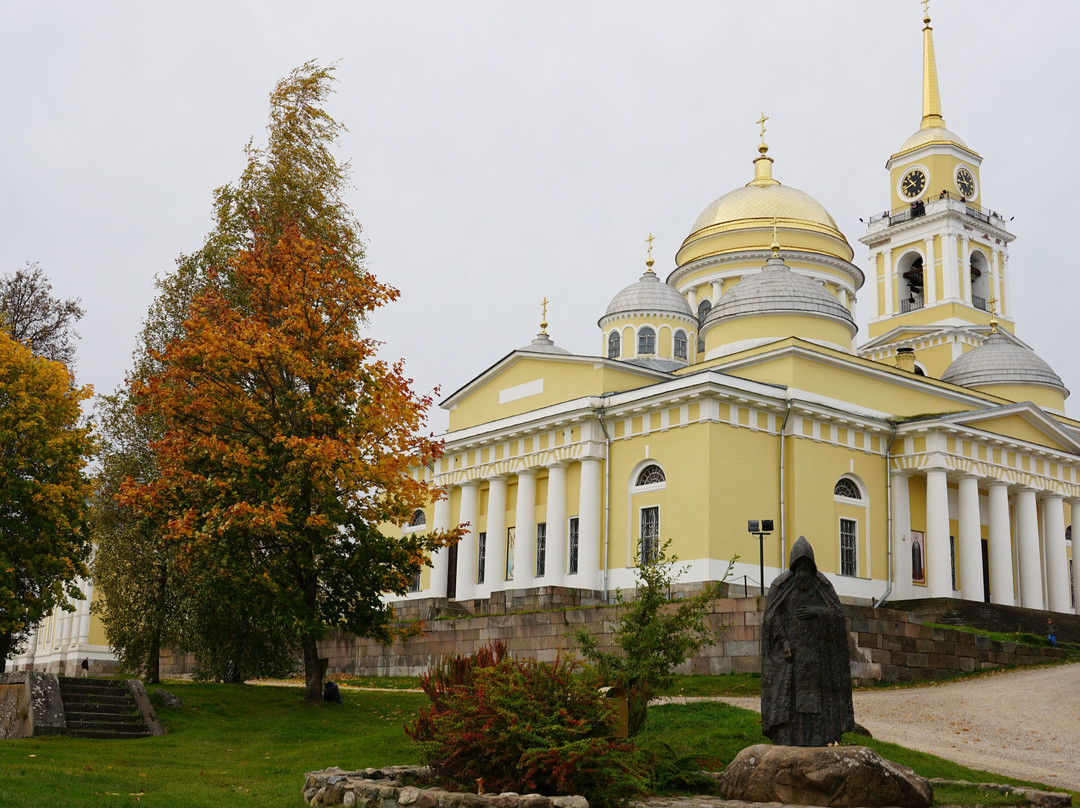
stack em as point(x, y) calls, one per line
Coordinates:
point(651, 335)
point(855, 545)
point(646, 558)
point(573, 545)
point(540, 562)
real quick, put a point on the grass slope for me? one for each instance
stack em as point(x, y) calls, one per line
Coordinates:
point(231, 745)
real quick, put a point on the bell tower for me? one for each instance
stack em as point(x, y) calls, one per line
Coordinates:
point(938, 255)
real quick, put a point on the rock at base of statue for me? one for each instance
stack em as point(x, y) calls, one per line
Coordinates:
point(834, 776)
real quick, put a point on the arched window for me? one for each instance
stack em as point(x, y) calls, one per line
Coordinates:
point(910, 269)
point(847, 488)
point(703, 309)
point(650, 475)
point(418, 519)
point(979, 268)
point(680, 345)
point(614, 345)
point(646, 341)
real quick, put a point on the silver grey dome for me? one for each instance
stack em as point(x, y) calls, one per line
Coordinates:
point(778, 290)
point(543, 344)
point(649, 294)
point(1000, 361)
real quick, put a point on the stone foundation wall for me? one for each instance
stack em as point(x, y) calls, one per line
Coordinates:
point(885, 645)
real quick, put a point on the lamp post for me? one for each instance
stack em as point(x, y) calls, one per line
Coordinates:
point(761, 529)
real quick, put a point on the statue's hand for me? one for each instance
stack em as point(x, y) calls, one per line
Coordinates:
point(787, 651)
point(804, 612)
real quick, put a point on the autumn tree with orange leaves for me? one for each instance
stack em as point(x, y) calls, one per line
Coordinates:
point(284, 439)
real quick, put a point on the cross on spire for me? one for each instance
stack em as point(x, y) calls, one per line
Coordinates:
point(543, 316)
point(649, 259)
point(764, 118)
point(926, 9)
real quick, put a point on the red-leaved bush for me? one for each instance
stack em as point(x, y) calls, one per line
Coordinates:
point(524, 726)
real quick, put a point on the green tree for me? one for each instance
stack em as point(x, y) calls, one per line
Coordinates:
point(44, 448)
point(654, 632)
point(284, 440)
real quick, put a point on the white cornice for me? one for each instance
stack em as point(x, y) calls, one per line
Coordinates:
point(759, 257)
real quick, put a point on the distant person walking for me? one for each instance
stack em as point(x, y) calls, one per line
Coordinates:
point(85, 665)
point(1051, 632)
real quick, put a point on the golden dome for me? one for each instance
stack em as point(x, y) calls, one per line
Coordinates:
point(756, 202)
point(726, 223)
point(933, 134)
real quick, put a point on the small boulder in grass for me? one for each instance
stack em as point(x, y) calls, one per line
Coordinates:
point(167, 699)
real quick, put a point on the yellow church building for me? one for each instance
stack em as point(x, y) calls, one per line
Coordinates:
point(934, 460)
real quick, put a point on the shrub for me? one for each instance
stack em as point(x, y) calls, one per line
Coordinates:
point(655, 634)
point(524, 726)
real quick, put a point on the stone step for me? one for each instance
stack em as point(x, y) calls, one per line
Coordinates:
point(79, 715)
point(108, 735)
point(100, 708)
point(126, 726)
point(118, 706)
point(90, 698)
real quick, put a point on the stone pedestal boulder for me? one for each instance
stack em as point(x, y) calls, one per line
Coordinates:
point(833, 776)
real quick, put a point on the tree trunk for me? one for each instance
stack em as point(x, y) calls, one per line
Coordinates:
point(5, 648)
point(314, 672)
point(153, 661)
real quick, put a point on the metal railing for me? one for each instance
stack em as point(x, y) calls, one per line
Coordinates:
point(913, 303)
point(944, 201)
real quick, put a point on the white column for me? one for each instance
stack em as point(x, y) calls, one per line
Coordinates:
point(901, 535)
point(970, 540)
point(938, 558)
point(525, 529)
point(555, 574)
point(887, 270)
point(1027, 550)
point(1000, 545)
point(63, 633)
point(930, 272)
point(995, 281)
point(440, 559)
point(589, 516)
point(965, 270)
point(691, 298)
point(495, 564)
point(716, 287)
point(1057, 559)
point(1074, 516)
point(466, 556)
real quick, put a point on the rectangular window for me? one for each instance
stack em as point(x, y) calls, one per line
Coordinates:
point(1072, 586)
point(414, 585)
point(541, 549)
point(510, 535)
point(952, 559)
point(650, 534)
point(849, 553)
point(572, 565)
point(481, 556)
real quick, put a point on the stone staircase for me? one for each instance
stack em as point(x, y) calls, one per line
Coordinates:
point(100, 708)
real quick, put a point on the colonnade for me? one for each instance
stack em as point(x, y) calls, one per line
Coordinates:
point(1027, 557)
point(522, 564)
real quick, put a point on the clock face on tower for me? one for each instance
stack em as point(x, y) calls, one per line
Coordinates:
point(965, 182)
point(913, 183)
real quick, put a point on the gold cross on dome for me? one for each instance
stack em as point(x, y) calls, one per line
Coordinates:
point(649, 241)
point(543, 316)
point(926, 8)
point(762, 120)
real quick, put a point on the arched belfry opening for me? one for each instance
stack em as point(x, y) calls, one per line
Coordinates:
point(979, 268)
point(911, 282)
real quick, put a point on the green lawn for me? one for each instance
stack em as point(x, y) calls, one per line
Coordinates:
point(230, 745)
point(248, 745)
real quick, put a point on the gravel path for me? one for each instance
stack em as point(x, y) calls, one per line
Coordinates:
point(1023, 724)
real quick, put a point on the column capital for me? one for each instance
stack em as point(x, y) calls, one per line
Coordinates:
point(558, 464)
point(529, 472)
point(469, 484)
point(497, 478)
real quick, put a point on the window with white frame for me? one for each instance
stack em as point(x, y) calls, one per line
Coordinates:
point(650, 535)
point(652, 474)
point(510, 536)
point(849, 547)
point(646, 341)
point(572, 561)
point(541, 549)
point(414, 584)
point(847, 488)
point(679, 345)
point(614, 346)
point(481, 556)
point(418, 519)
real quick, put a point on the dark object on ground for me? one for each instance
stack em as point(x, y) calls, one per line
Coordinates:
point(805, 668)
point(1041, 799)
point(167, 699)
point(332, 693)
point(837, 776)
point(859, 729)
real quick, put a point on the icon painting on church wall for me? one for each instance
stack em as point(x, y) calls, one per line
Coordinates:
point(918, 557)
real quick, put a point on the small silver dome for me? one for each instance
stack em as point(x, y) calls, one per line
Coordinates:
point(544, 344)
point(1000, 361)
point(778, 290)
point(649, 294)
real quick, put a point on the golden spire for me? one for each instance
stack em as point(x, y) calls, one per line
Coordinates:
point(649, 260)
point(763, 164)
point(543, 317)
point(931, 95)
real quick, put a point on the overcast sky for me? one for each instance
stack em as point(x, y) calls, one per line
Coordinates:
point(508, 151)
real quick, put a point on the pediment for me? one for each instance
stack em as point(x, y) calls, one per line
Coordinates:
point(1026, 422)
